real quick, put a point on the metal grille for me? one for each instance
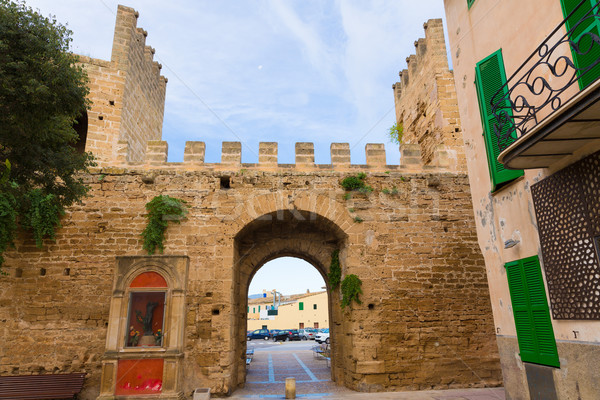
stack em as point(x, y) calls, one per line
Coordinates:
point(567, 205)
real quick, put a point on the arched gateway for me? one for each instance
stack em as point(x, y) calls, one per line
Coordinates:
point(291, 232)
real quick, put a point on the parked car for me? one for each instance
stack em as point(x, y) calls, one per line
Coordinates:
point(287, 335)
point(281, 335)
point(259, 334)
point(308, 333)
point(295, 335)
point(274, 332)
point(322, 337)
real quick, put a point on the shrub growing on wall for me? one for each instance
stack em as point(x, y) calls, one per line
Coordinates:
point(161, 210)
point(356, 183)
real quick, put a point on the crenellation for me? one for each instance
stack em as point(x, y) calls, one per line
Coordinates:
point(375, 153)
point(267, 154)
point(231, 153)
point(157, 152)
point(194, 152)
point(305, 154)
point(340, 154)
point(426, 105)
point(444, 159)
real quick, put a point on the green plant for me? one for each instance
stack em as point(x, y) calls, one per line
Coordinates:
point(392, 191)
point(42, 215)
point(351, 210)
point(347, 196)
point(351, 290)
point(8, 223)
point(161, 210)
point(396, 132)
point(335, 271)
point(356, 183)
point(358, 219)
point(101, 177)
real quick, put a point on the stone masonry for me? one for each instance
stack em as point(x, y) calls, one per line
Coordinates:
point(127, 93)
point(424, 320)
point(426, 103)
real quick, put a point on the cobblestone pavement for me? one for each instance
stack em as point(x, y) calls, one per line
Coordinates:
point(273, 362)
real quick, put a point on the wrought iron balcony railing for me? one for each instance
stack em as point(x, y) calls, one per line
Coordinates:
point(561, 66)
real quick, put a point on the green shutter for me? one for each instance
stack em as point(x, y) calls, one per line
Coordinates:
point(532, 315)
point(489, 78)
point(258, 308)
point(301, 306)
point(248, 309)
point(589, 25)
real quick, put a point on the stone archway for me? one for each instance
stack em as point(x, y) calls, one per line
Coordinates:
point(294, 233)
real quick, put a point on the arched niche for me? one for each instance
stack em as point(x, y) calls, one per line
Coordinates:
point(144, 341)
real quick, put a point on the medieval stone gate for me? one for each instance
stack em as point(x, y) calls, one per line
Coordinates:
point(425, 318)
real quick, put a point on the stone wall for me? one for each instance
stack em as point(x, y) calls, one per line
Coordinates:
point(424, 322)
point(426, 103)
point(127, 93)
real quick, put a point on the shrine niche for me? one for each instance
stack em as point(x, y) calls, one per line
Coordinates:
point(144, 343)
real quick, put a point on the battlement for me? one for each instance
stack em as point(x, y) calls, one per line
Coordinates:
point(426, 103)
point(430, 54)
point(231, 157)
point(127, 93)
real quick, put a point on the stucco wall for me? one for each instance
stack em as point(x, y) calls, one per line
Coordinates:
point(517, 28)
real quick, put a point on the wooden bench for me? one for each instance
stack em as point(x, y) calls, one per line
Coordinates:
point(38, 387)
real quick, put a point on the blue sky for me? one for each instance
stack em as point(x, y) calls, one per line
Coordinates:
point(257, 70)
point(289, 275)
point(284, 71)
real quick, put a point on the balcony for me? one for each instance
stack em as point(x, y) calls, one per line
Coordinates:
point(549, 108)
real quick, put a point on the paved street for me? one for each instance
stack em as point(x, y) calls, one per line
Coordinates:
point(273, 362)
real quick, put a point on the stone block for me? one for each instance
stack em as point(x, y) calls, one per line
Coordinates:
point(375, 153)
point(194, 152)
point(231, 153)
point(305, 154)
point(340, 154)
point(267, 153)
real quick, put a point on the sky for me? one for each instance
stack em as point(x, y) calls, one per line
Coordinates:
point(264, 70)
point(268, 71)
point(288, 275)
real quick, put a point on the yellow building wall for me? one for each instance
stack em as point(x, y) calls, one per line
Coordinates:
point(290, 316)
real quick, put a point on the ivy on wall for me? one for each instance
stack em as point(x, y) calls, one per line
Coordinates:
point(335, 271)
point(351, 290)
point(161, 210)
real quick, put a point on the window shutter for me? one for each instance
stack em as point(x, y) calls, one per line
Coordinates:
point(301, 306)
point(489, 78)
point(532, 316)
point(589, 24)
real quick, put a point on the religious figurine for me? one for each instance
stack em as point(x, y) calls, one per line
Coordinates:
point(148, 339)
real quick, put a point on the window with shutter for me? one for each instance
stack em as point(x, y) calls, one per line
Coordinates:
point(532, 315)
point(584, 24)
point(301, 306)
point(489, 79)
